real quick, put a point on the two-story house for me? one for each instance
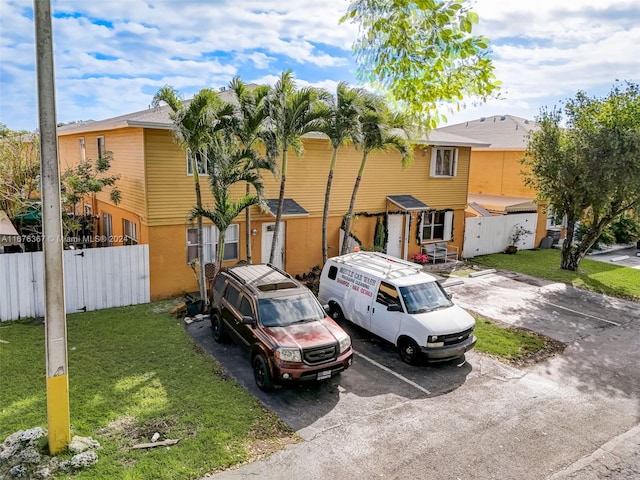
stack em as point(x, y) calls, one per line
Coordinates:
point(422, 203)
point(496, 181)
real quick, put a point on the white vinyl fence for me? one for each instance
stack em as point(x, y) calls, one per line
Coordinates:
point(485, 235)
point(95, 278)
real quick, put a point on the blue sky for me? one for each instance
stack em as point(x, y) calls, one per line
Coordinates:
point(112, 56)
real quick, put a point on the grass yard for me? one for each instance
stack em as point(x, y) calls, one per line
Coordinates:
point(614, 280)
point(134, 371)
point(512, 344)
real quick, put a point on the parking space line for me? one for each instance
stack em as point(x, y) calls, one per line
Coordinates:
point(583, 314)
point(388, 370)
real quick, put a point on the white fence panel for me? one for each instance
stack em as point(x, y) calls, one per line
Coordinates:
point(95, 278)
point(485, 235)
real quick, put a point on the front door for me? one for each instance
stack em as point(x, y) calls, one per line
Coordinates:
point(267, 238)
point(394, 240)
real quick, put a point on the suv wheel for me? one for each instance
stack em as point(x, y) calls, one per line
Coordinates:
point(217, 329)
point(409, 351)
point(261, 373)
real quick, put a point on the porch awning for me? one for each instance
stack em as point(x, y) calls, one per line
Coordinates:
point(503, 203)
point(407, 202)
point(290, 208)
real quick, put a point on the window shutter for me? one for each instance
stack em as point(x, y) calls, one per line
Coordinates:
point(455, 162)
point(434, 161)
point(448, 226)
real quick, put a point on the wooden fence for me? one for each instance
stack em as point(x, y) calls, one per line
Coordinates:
point(95, 278)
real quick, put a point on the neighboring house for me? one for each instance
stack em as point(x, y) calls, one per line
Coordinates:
point(496, 183)
point(422, 203)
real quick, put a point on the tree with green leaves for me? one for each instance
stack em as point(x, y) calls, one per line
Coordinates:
point(422, 53)
point(232, 164)
point(381, 130)
point(19, 169)
point(251, 130)
point(86, 178)
point(585, 160)
point(292, 113)
point(195, 125)
point(342, 125)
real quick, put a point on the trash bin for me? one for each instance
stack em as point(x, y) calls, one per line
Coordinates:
point(194, 307)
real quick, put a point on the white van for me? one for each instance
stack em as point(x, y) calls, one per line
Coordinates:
point(397, 301)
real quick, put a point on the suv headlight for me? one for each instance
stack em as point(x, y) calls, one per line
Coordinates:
point(345, 343)
point(289, 354)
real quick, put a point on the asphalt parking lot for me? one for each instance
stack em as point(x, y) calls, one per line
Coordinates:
point(572, 416)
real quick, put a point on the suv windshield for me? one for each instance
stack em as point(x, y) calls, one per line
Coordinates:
point(424, 297)
point(283, 311)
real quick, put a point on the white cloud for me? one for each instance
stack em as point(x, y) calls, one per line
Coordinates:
point(110, 57)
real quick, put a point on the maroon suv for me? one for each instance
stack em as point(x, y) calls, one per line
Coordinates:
point(287, 331)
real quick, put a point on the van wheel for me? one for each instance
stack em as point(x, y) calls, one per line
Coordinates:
point(217, 329)
point(261, 374)
point(336, 312)
point(409, 351)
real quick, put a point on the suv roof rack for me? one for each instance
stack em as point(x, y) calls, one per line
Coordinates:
point(262, 276)
point(387, 266)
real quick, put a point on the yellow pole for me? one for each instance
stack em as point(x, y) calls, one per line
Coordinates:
point(58, 418)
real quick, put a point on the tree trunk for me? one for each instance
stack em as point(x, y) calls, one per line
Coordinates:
point(352, 204)
point(325, 213)
point(347, 227)
point(276, 228)
point(201, 276)
point(247, 233)
point(221, 240)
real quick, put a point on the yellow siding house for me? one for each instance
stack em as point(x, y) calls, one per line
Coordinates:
point(419, 204)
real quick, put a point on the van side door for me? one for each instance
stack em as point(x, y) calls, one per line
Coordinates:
point(386, 323)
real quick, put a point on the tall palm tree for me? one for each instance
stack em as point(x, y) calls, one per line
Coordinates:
point(341, 125)
point(232, 164)
point(381, 130)
point(292, 113)
point(251, 130)
point(195, 123)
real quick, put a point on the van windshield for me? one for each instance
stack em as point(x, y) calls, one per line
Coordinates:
point(284, 311)
point(424, 297)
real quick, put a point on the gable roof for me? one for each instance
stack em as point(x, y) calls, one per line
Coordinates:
point(501, 132)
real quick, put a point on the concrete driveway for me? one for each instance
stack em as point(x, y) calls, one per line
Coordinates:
point(573, 416)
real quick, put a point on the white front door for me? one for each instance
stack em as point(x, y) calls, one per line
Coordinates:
point(267, 238)
point(394, 240)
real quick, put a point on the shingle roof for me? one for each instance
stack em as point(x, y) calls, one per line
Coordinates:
point(502, 132)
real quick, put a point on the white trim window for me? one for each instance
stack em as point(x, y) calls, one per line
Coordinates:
point(100, 145)
point(130, 232)
point(82, 149)
point(436, 225)
point(202, 161)
point(210, 236)
point(444, 162)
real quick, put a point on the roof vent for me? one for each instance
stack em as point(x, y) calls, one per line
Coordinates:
point(221, 89)
point(482, 119)
point(526, 122)
point(502, 118)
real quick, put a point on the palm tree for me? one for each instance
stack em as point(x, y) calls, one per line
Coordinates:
point(381, 131)
point(292, 113)
point(232, 164)
point(195, 123)
point(250, 128)
point(341, 125)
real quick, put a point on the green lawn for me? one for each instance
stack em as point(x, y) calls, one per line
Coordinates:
point(614, 280)
point(134, 371)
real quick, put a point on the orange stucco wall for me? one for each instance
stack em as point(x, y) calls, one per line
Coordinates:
point(497, 172)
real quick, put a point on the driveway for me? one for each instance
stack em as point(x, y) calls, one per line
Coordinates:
point(573, 416)
point(626, 257)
